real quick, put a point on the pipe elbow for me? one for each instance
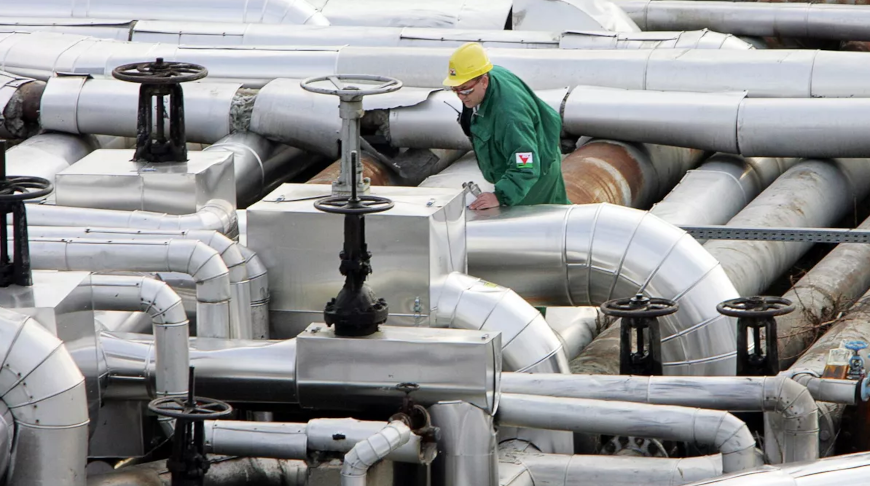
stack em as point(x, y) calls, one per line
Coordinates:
point(161, 302)
point(731, 436)
point(204, 265)
point(366, 453)
point(218, 215)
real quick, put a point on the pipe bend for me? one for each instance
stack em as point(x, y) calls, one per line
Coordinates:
point(366, 453)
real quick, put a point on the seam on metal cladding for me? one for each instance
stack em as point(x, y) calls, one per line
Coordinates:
point(589, 253)
point(737, 181)
point(688, 330)
point(75, 60)
point(22, 378)
point(696, 282)
point(252, 152)
point(545, 358)
point(564, 256)
point(564, 102)
point(132, 29)
point(708, 359)
point(31, 402)
point(658, 267)
point(806, 24)
point(812, 71)
point(646, 68)
point(624, 254)
point(15, 339)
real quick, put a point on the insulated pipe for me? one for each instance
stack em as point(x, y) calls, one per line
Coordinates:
point(841, 22)
point(717, 190)
point(799, 432)
point(253, 166)
point(45, 394)
point(294, 440)
point(366, 453)
point(79, 104)
point(812, 194)
point(170, 327)
point(19, 106)
point(726, 433)
point(467, 451)
point(845, 469)
point(260, 11)
point(194, 258)
point(46, 154)
point(588, 254)
point(378, 173)
point(577, 470)
point(229, 471)
point(775, 73)
point(259, 283)
point(216, 214)
point(829, 288)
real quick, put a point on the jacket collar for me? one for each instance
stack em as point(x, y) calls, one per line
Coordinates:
point(491, 93)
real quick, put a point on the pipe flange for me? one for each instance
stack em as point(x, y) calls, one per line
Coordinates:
point(634, 446)
point(755, 307)
point(639, 306)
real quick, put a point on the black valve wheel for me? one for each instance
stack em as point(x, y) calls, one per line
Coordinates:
point(753, 307)
point(160, 72)
point(347, 204)
point(639, 306)
point(21, 188)
point(181, 408)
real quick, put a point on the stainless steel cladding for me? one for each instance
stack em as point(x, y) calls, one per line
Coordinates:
point(108, 179)
point(335, 373)
point(588, 254)
point(467, 447)
point(846, 469)
point(415, 246)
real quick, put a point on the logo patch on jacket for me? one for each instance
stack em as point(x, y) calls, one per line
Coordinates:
point(525, 160)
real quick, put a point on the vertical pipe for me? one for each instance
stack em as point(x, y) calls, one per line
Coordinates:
point(467, 452)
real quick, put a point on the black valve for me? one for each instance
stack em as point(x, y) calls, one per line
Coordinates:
point(639, 314)
point(355, 311)
point(188, 464)
point(14, 190)
point(756, 313)
point(159, 79)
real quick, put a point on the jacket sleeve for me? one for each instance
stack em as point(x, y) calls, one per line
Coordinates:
point(518, 140)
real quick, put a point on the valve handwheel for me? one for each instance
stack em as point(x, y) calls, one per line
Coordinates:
point(160, 72)
point(639, 306)
point(20, 188)
point(347, 204)
point(182, 408)
point(387, 85)
point(755, 307)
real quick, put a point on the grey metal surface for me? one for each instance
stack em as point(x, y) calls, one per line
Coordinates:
point(46, 154)
point(46, 395)
point(263, 11)
point(415, 246)
point(340, 435)
point(849, 468)
point(577, 470)
point(841, 22)
point(326, 363)
point(814, 235)
point(718, 429)
point(224, 471)
point(250, 163)
point(195, 258)
point(570, 14)
point(469, 14)
point(717, 190)
point(814, 194)
point(230, 370)
point(585, 255)
point(366, 453)
point(256, 439)
point(77, 104)
point(107, 179)
point(467, 447)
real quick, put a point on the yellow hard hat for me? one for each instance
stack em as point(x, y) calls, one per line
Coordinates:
point(467, 63)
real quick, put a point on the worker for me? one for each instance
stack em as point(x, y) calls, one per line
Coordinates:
point(515, 135)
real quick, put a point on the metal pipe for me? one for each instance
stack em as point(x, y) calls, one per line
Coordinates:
point(843, 469)
point(717, 190)
point(828, 289)
point(378, 173)
point(366, 453)
point(267, 12)
point(223, 471)
point(259, 283)
point(798, 434)
point(814, 193)
point(46, 154)
point(195, 258)
point(774, 73)
point(170, 326)
point(841, 22)
point(232, 370)
point(721, 430)
point(19, 105)
point(467, 447)
point(253, 166)
point(45, 395)
point(576, 327)
point(588, 254)
point(216, 214)
point(577, 470)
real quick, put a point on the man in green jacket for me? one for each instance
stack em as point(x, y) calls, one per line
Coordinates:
point(515, 135)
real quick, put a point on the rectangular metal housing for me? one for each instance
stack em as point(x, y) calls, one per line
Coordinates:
point(358, 373)
point(108, 179)
point(414, 247)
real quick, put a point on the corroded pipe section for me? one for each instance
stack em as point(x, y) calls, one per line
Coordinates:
point(374, 169)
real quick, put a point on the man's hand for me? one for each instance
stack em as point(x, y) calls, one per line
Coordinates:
point(485, 200)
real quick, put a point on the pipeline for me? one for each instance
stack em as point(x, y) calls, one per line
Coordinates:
point(467, 451)
point(19, 106)
point(813, 194)
point(223, 471)
point(46, 154)
point(366, 453)
point(840, 22)
point(377, 172)
point(835, 470)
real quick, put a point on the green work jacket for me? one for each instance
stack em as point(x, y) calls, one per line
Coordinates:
point(516, 139)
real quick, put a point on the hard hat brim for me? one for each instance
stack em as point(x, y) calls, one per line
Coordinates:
point(455, 81)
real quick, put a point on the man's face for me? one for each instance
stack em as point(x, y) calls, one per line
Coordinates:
point(471, 92)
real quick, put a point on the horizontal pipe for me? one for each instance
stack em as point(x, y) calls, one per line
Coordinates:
point(843, 469)
point(232, 471)
point(714, 428)
point(46, 154)
point(839, 22)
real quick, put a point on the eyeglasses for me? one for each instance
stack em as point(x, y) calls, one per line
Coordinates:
point(465, 92)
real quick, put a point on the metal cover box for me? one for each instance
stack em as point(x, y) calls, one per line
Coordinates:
point(414, 247)
point(107, 179)
point(359, 373)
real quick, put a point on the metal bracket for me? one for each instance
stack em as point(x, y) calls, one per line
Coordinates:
point(814, 235)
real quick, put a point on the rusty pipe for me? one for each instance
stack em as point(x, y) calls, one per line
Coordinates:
point(378, 173)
